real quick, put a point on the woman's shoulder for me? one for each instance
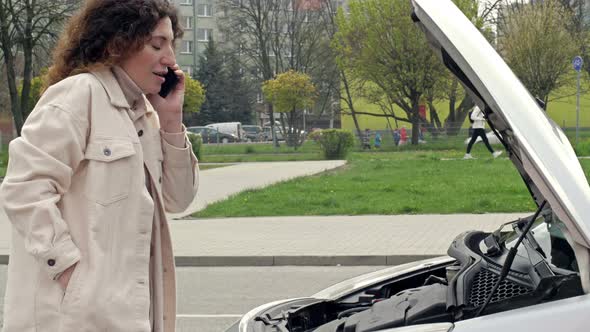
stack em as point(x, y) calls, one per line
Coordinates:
point(71, 93)
point(79, 84)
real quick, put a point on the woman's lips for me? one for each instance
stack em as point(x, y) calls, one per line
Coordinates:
point(160, 78)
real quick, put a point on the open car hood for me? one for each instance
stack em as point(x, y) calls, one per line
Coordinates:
point(535, 144)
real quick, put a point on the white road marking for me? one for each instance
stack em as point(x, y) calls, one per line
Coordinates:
point(209, 316)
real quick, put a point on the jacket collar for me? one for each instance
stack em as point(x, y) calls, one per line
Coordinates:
point(111, 85)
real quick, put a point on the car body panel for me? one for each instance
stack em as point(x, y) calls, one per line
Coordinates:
point(352, 285)
point(546, 317)
point(541, 152)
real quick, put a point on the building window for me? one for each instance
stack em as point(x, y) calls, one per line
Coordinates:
point(204, 34)
point(204, 10)
point(187, 47)
point(188, 22)
point(186, 2)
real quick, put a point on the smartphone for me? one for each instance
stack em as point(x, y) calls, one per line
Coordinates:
point(170, 82)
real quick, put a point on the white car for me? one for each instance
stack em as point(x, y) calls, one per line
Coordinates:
point(531, 276)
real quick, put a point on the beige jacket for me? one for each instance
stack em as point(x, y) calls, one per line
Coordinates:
point(76, 190)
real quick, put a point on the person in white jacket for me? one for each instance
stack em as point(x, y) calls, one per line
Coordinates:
point(478, 125)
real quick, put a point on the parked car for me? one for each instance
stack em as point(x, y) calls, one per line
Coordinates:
point(211, 135)
point(532, 275)
point(232, 128)
point(268, 136)
point(253, 133)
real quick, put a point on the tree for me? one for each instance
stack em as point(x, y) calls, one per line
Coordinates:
point(384, 48)
point(275, 36)
point(290, 93)
point(240, 92)
point(27, 28)
point(35, 93)
point(448, 88)
point(194, 95)
point(538, 46)
point(212, 75)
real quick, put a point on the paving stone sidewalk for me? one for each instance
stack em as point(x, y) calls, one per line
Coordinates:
point(264, 241)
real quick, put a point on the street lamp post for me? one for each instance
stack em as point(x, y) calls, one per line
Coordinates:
point(578, 62)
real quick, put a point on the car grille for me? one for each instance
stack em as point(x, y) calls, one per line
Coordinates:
point(484, 283)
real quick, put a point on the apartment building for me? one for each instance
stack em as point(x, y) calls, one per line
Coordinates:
point(199, 22)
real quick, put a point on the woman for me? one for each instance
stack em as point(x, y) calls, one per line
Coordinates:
point(101, 158)
point(478, 125)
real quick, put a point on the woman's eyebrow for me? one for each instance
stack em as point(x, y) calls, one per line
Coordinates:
point(163, 38)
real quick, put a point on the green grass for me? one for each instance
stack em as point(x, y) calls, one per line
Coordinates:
point(255, 148)
point(391, 183)
point(261, 157)
point(231, 153)
point(561, 108)
point(206, 167)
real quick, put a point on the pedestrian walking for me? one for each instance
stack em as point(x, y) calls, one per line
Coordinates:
point(403, 136)
point(478, 126)
point(100, 160)
point(367, 139)
point(378, 140)
point(396, 137)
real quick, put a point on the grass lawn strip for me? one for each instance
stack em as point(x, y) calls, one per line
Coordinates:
point(388, 183)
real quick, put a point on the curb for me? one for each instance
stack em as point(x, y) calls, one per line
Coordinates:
point(361, 260)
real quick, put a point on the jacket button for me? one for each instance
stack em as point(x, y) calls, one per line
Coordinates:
point(107, 152)
point(51, 262)
point(140, 133)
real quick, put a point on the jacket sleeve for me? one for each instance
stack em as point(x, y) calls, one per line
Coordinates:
point(40, 168)
point(477, 115)
point(180, 176)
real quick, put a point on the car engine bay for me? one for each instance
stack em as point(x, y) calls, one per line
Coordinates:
point(542, 270)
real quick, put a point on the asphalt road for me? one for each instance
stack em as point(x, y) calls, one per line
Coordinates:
point(210, 299)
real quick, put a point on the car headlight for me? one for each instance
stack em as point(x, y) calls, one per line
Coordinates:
point(438, 327)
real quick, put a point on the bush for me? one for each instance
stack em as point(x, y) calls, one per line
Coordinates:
point(197, 144)
point(335, 143)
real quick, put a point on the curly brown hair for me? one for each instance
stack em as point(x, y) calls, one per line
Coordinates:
point(105, 32)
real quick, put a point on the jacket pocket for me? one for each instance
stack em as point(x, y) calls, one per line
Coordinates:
point(109, 170)
point(71, 291)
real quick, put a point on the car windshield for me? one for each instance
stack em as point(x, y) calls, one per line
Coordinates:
point(195, 130)
point(250, 129)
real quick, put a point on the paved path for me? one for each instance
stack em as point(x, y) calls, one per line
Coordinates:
point(219, 183)
point(345, 240)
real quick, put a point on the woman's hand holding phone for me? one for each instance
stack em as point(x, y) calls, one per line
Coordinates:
point(169, 107)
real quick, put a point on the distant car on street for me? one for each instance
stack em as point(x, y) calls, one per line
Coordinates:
point(267, 136)
point(232, 128)
point(211, 135)
point(253, 133)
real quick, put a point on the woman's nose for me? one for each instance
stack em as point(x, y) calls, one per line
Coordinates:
point(169, 58)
